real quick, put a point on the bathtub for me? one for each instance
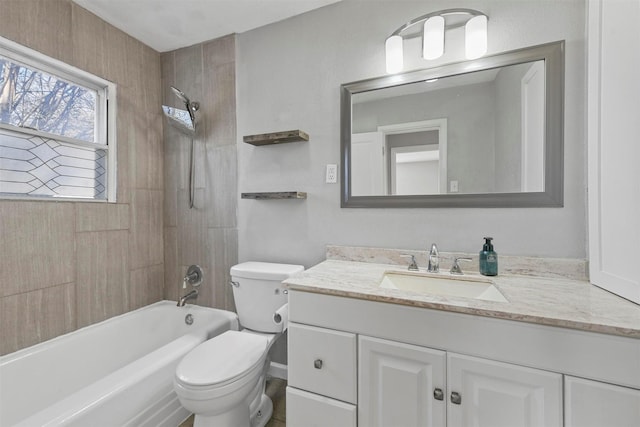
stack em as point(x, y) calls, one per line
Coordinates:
point(115, 373)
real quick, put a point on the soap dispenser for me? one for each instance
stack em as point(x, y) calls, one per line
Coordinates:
point(488, 259)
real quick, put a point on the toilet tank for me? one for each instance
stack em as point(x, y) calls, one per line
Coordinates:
point(258, 292)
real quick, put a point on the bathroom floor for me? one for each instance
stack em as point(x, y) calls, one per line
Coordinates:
point(276, 390)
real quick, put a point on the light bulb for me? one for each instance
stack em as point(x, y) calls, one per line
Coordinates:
point(394, 54)
point(433, 38)
point(476, 37)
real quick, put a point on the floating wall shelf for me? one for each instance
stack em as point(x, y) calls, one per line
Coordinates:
point(276, 137)
point(275, 195)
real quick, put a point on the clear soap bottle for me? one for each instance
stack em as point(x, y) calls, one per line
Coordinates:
point(488, 259)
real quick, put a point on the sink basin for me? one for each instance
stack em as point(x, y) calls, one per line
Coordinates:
point(439, 284)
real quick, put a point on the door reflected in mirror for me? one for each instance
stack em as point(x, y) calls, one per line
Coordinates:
point(494, 142)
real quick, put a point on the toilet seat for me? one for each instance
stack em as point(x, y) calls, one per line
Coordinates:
point(222, 360)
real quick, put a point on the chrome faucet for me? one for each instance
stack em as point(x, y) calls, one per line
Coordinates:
point(434, 260)
point(413, 265)
point(191, 295)
point(455, 268)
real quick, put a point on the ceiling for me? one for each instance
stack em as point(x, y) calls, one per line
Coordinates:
point(171, 24)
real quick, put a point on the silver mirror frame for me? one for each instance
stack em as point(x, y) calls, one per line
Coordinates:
point(553, 194)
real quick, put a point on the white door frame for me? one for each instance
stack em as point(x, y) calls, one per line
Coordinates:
point(426, 125)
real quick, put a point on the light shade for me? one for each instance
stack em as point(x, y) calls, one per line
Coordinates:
point(476, 37)
point(393, 49)
point(433, 38)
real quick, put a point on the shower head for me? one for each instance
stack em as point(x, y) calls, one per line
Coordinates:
point(184, 120)
point(180, 94)
point(192, 107)
point(180, 119)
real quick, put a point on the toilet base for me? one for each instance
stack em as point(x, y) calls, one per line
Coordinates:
point(239, 416)
point(264, 412)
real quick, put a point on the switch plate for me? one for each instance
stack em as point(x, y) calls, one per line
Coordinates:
point(453, 186)
point(332, 174)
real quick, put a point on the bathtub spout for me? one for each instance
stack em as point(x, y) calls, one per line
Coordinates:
point(191, 295)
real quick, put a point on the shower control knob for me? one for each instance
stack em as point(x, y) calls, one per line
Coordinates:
point(317, 363)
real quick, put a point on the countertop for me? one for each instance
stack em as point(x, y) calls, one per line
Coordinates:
point(562, 302)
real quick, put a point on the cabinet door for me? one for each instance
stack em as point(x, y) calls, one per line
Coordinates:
point(595, 404)
point(484, 393)
point(400, 384)
point(311, 410)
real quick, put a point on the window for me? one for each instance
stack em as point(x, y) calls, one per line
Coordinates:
point(57, 129)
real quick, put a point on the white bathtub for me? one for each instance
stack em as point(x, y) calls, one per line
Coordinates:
point(115, 373)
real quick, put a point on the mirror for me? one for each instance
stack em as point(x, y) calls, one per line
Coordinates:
point(481, 133)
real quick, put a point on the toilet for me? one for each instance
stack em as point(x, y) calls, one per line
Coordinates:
point(222, 381)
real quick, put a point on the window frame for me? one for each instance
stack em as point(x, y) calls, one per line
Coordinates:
point(105, 123)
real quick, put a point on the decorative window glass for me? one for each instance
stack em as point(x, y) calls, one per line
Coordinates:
point(57, 129)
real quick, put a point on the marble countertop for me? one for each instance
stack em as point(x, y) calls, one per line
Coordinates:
point(549, 301)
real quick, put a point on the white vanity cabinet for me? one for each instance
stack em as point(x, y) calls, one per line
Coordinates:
point(487, 393)
point(400, 384)
point(407, 385)
point(395, 365)
point(595, 404)
point(322, 377)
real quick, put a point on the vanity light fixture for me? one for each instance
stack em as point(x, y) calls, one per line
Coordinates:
point(433, 28)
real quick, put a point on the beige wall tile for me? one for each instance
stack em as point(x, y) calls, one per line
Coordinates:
point(219, 105)
point(188, 71)
point(222, 184)
point(116, 57)
point(219, 51)
point(145, 151)
point(152, 80)
point(172, 279)
point(146, 286)
point(102, 276)
point(167, 64)
point(37, 248)
point(101, 216)
point(192, 225)
point(88, 39)
point(145, 243)
point(223, 253)
point(37, 316)
point(43, 25)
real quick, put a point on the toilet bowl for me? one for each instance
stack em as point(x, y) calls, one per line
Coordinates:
point(222, 381)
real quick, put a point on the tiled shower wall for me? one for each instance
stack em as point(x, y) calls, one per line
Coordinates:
point(207, 234)
point(66, 265)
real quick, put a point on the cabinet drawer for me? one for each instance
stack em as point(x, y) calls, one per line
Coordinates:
point(323, 361)
point(311, 410)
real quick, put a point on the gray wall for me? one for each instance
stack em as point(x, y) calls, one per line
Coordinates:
point(288, 77)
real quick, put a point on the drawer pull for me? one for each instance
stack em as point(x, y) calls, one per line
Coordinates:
point(438, 394)
point(317, 363)
point(456, 398)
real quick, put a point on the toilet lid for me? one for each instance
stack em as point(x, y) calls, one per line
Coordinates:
point(222, 358)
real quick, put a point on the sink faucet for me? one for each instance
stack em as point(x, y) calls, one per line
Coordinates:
point(434, 261)
point(191, 295)
point(413, 265)
point(455, 268)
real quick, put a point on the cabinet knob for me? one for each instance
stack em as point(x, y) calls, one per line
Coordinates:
point(438, 394)
point(317, 363)
point(456, 398)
